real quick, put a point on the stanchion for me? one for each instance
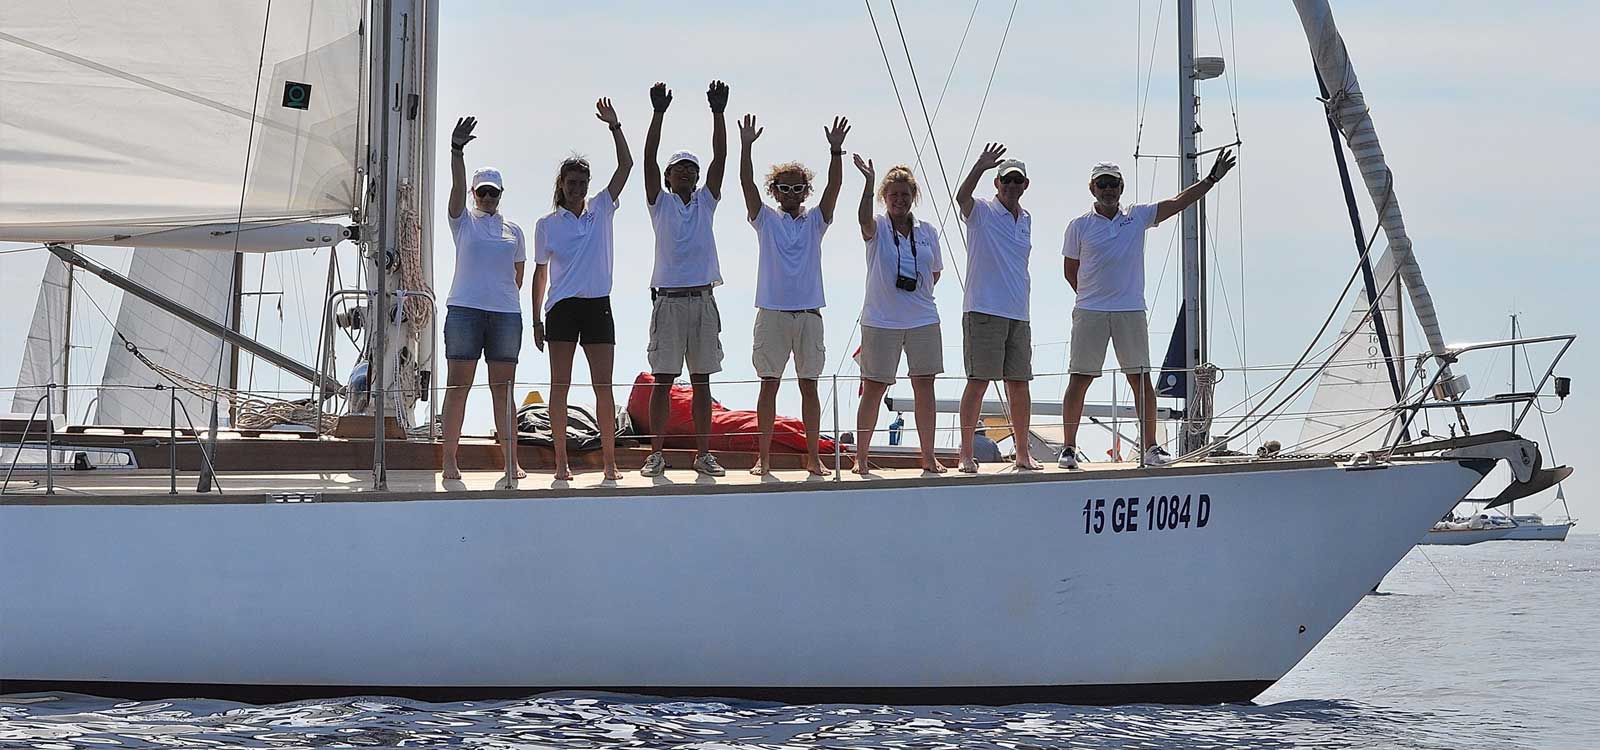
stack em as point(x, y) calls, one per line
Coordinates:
point(172, 442)
point(510, 435)
point(1140, 404)
point(49, 438)
point(838, 473)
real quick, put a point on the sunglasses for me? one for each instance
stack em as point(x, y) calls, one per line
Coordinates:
point(1013, 179)
point(783, 189)
point(487, 192)
point(1107, 182)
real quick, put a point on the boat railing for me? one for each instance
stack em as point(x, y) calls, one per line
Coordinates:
point(1431, 397)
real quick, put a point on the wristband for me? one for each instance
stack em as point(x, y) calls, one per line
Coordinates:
point(615, 126)
point(840, 152)
point(457, 149)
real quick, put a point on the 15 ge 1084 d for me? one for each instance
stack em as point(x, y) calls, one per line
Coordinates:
point(1161, 513)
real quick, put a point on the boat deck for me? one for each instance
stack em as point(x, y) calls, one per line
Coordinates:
point(154, 485)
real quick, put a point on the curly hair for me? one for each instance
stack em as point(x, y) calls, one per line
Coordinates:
point(898, 173)
point(572, 163)
point(785, 168)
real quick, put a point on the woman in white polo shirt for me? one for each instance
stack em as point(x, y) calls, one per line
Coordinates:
point(485, 304)
point(898, 313)
point(572, 247)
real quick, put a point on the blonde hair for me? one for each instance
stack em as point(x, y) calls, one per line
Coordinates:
point(785, 168)
point(898, 173)
point(573, 163)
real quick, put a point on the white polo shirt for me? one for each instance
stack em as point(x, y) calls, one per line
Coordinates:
point(686, 249)
point(998, 246)
point(889, 254)
point(578, 249)
point(789, 259)
point(488, 247)
point(1111, 257)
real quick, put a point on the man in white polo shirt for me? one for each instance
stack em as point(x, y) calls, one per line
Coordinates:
point(684, 323)
point(995, 335)
point(1104, 262)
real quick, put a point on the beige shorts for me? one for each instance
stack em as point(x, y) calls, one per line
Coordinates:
point(881, 348)
point(1128, 331)
point(780, 333)
point(685, 329)
point(996, 348)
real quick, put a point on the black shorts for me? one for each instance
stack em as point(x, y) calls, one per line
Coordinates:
point(581, 320)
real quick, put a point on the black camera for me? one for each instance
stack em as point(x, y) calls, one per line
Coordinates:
point(908, 283)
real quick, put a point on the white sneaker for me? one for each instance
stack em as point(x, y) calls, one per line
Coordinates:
point(1156, 455)
point(706, 464)
point(1069, 458)
point(654, 465)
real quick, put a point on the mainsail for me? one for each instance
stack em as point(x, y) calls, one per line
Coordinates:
point(44, 355)
point(201, 280)
point(1357, 385)
point(123, 119)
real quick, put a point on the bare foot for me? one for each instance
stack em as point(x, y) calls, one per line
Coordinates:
point(933, 467)
point(760, 469)
point(1028, 464)
point(451, 471)
point(563, 474)
point(612, 474)
point(519, 473)
point(817, 469)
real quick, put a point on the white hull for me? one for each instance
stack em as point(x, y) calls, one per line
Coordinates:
point(1463, 536)
point(1539, 532)
point(936, 590)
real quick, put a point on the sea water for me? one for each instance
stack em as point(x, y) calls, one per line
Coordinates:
point(1495, 645)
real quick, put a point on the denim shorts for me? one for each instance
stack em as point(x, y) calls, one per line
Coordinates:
point(470, 333)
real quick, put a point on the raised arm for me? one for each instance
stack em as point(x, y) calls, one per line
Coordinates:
point(660, 99)
point(717, 96)
point(619, 179)
point(748, 133)
point(986, 161)
point(830, 194)
point(869, 226)
point(459, 138)
point(1176, 204)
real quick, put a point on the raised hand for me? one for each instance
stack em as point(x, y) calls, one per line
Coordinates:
point(462, 135)
point(1220, 168)
point(605, 113)
point(660, 97)
point(836, 134)
point(748, 132)
point(865, 165)
point(990, 158)
point(717, 95)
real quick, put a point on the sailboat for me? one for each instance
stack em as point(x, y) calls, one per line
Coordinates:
point(1204, 581)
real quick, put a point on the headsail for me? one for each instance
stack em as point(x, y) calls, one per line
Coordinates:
point(201, 281)
point(44, 356)
point(126, 118)
point(1357, 384)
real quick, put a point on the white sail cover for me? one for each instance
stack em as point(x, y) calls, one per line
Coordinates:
point(1355, 387)
point(201, 281)
point(127, 117)
point(44, 355)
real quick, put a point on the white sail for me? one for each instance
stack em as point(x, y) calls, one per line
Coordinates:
point(1356, 386)
point(44, 355)
point(201, 281)
point(1349, 111)
point(125, 118)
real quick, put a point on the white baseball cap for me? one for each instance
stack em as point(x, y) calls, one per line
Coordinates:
point(487, 176)
point(1012, 165)
point(1105, 168)
point(687, 156)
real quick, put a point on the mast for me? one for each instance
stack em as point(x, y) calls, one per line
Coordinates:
point(1193, 255)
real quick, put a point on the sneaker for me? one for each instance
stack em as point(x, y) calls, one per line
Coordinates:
point(1156, 455)
point(654, 466)
point(706, 464)
point(1069, 458)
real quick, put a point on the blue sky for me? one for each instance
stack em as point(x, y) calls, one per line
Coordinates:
point(1486, 111)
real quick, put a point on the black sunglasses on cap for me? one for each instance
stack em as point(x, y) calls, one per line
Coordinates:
point(487, 191)
point(1107, 182)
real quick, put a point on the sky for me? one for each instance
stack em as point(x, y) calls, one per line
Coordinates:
point(1485, 111)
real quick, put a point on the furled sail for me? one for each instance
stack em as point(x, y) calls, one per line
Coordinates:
point(1358, 383)
point(44, 355)
point(200, 280)
point(120, 119)
point(1349, 111)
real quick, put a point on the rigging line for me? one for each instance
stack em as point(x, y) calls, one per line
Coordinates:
point(983, 103)
point(1150, 68)
point(952, 73)
point(944, 173)
point(910, 131)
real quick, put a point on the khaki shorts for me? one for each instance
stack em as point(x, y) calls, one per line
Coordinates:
point(881, 348)
point(685, 329)
point(1128, 331)
point(996, 348)
point(780, 333)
